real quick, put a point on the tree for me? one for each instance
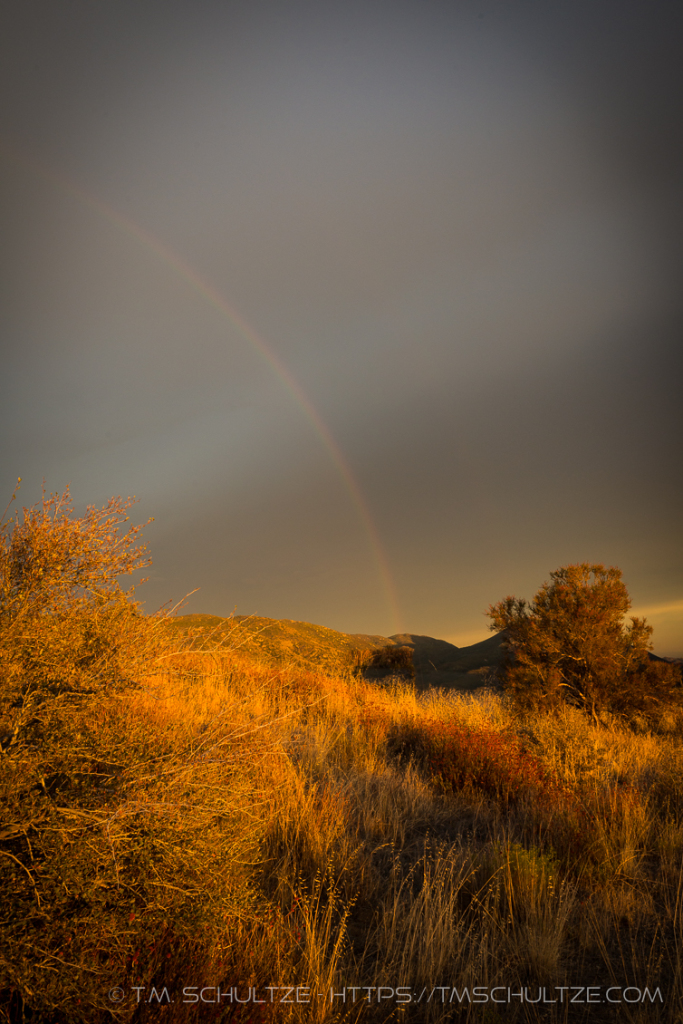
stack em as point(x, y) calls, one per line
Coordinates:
point(571, 644)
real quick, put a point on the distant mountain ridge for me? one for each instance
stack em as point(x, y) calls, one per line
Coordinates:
point(440, 663)
point(437, 662)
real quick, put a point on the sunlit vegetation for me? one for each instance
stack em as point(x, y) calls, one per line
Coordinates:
point(572, 645)
point(180, 817)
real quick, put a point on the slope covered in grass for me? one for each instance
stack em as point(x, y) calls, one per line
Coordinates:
point(279, 641)
point(239, 825)
point(234, 824)
point(284, 641)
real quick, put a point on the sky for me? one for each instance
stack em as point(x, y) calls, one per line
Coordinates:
point(375, 306)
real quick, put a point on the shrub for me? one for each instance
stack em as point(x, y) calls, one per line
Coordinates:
point(398, 660)
point(121, 842)
point(483, 760)
point(571, 644)
point(66, 626)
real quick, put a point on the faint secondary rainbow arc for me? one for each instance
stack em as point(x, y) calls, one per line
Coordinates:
point(214, 297)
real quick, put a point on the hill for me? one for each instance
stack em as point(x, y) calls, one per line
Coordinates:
point(279, 640)
point(439, 663)
point(286, 641)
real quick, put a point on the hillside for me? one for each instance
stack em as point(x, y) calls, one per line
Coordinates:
point(285, 641)
point(282, 641)
point(439, 663)
point(202, 805)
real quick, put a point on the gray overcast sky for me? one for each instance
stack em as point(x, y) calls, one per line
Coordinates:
point(335, 285)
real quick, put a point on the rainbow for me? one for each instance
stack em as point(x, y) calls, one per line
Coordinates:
point(211, 295)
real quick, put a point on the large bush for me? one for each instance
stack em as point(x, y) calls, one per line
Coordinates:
point(571, 644)
point(66, 624)
point(122, 839)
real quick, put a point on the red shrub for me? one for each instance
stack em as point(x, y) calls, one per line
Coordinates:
point(459, 758)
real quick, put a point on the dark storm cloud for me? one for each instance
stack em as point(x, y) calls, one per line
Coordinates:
point(457, 224)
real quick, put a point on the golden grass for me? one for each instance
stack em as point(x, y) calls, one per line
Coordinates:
point(245, 824)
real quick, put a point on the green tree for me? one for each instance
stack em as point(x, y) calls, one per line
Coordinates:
point(571, 644)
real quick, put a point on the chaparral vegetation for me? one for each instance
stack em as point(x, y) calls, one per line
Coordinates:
point(571, 645)
point(192, 832)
